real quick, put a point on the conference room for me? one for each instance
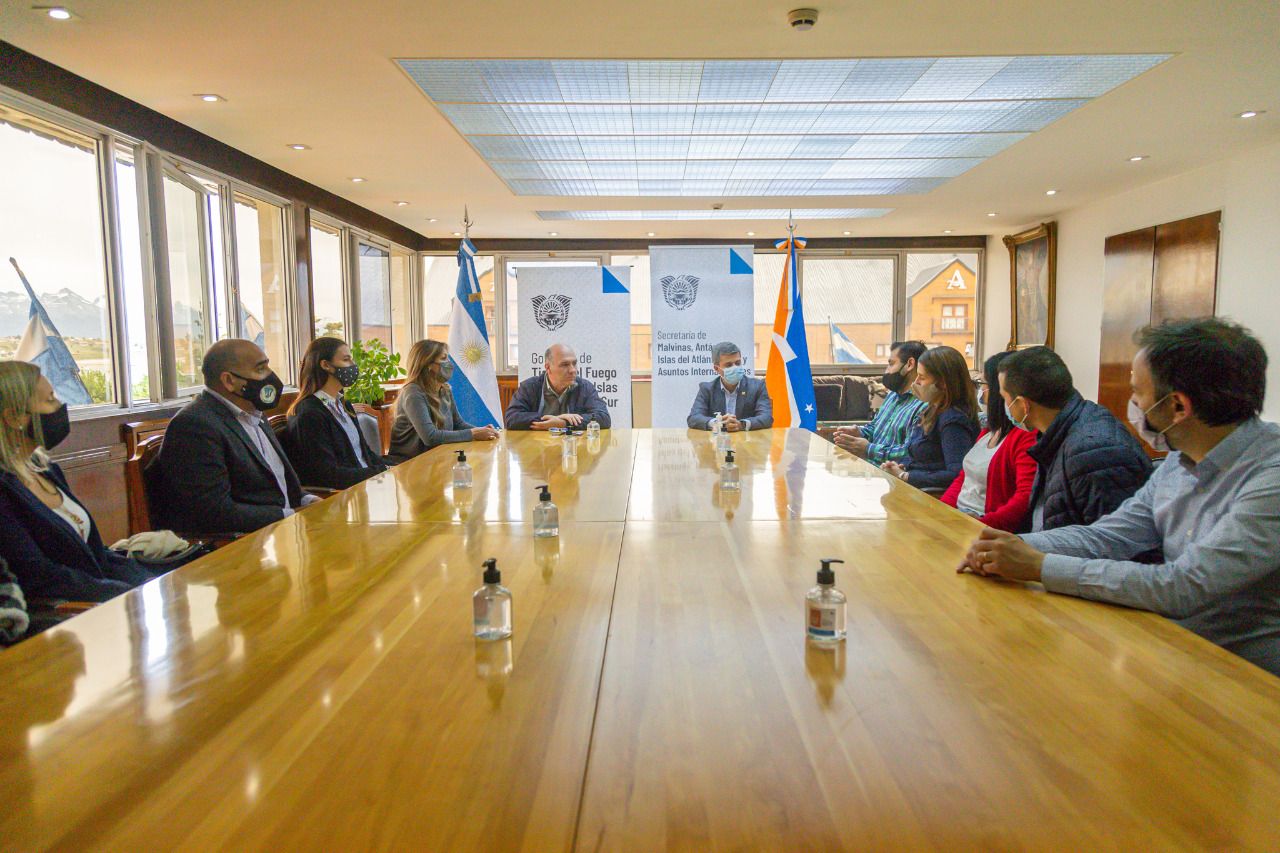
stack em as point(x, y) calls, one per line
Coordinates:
point(628, 427)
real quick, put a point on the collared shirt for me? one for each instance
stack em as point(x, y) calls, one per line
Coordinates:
point(553, 403)
point(334, 405)
point(253, 425)
point(888, 431)
point(1216, 522)
point(731, 402)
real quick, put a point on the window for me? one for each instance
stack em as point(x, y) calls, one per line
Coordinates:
point(262, 279)
point(641, 334)
point(402, 304)
point(882, 351)
point(188, 233)
point(942, 293)
point(326, 280)
point(848, 307)
point(51, 224)
point(374, 271)
point(144, 380)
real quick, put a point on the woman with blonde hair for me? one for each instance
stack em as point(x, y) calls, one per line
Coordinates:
point(948, 426)
point(426, 414)
point(50, 541)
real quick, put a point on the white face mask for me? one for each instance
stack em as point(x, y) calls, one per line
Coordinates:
point(1138, 420)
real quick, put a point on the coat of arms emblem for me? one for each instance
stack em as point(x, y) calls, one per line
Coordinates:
point(552, 311)
point(680, 291)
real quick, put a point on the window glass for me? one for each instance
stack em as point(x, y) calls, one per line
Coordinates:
point(51, 224)
point(942, 291)
point(375, 296)
point(401, 308)
point(135, 306)
point(261, 275)
point(187, 232)
point(848, 308)
point(326, 281)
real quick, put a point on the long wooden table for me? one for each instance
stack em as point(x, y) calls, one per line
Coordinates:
point(315, 685)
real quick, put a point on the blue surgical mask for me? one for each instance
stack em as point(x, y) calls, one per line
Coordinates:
point(733, 373)
point(1022, 424)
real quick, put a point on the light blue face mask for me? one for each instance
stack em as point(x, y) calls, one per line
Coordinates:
point(734, 373)
point(1021, 424)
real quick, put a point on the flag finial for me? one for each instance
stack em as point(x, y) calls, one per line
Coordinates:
point(466, 223)
point(791, 224)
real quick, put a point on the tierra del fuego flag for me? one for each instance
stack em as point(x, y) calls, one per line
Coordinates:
point(788, 377)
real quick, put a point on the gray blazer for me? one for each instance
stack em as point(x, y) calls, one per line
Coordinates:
point(414, 432)
point(754, 404)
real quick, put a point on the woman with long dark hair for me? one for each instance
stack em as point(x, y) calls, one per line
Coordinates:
point(948, 426)
point(324, 441)
point(995, 483)
point(426, 415)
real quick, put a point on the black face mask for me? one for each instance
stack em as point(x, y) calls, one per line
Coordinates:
point(895, 382)
point(348, 375)
point(55, 426)
point(263, 393)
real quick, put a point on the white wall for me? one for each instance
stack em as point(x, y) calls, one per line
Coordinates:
point(1245, 188)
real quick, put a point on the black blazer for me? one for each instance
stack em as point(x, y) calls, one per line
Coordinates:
point(47, 554)
point(212, 479)
point(320, 451)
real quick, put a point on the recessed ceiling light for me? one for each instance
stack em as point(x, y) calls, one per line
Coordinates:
point(1050, 192)
point(1136, 157)
point(457, 233)
point(553, 233)
point(58, 13)
point(1250, 113)
point(847, 233)
point(209, 97)
point(298, 146)
point(433, 219)
point(652, 234)
point(357, 180)
point(946, 230)
point(751, 233)
point(402, 204)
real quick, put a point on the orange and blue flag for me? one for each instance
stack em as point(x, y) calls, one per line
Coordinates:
point(789, 377)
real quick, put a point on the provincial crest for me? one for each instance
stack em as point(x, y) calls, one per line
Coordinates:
point(551, 312)
point(680, 291)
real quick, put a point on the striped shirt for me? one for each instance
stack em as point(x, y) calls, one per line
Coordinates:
point(887, 433)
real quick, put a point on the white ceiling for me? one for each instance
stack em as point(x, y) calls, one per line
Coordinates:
point(324, 74)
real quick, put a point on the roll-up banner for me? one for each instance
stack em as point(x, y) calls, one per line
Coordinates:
point(701, 295)
point(589, 309)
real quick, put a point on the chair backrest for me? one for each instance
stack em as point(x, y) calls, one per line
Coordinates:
point(856, 401)
point(827, 398)
point(378, 434)
point(141, 478)
point(279, 424)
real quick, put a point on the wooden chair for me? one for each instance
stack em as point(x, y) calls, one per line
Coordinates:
point(141, 479)
point(280, 425)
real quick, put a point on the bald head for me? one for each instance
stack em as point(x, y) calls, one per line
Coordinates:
point(561, 364)
point(233, 356)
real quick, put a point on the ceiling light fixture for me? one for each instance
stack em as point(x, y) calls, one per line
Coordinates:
point(652, 234)
point(1137, 157)
point(357, 180)
point(58, 13)
point(991, 213)
point(1050, 192)
point(210, 97)
point(402, 204)
point(553, 233)
point(1250, 113)
point(946, 230)
point(433, 219)
point(298, 146)
point(457, 233)
point(847, 233)
point(751, 233)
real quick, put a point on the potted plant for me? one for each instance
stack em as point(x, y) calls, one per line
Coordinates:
point(377, 365)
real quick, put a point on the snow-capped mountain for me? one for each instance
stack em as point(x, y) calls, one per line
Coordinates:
point(75, 316)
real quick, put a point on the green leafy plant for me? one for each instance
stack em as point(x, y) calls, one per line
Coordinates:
point(95, 382)
point(377, 365)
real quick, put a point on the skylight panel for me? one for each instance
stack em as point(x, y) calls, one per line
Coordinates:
point(592, 81)
point(664, 81)
point(521, 81)
point(779, 214)
point(954, 78)
point(736, 80)
point(809, 79)
point(662, 118)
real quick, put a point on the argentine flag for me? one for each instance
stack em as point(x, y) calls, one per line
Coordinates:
point(789, 378)
point(42, 346)
point(475, 381)
point(843, 350)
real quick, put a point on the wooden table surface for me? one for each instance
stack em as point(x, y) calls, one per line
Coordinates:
point(315, 685)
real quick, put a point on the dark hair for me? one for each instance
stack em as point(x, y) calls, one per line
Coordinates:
point(908, 350)
point(311, 376)
point(955, 389)
point(1220, 365)
point(997, 415)
point(1040, 375)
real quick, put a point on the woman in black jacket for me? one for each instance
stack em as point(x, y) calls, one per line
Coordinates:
point(948, 427)
point(324, 442)
point(50, 541)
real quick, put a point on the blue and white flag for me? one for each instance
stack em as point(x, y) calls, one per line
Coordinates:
point(474, 381)
point(789, 378)
point(843, 350)
point(42, 346)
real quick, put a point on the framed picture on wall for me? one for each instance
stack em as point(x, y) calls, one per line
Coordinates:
point(1033, 269)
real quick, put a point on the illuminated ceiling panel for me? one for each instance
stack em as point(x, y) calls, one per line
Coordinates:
point(807, 127)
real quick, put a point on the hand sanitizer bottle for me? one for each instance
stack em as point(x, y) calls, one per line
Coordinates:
point(724, 440)
point(462, 472)
point(825, 606)
point(593, 429)
point(716, 425)
point(492, 604)
point(729, 475)
point(546, 517)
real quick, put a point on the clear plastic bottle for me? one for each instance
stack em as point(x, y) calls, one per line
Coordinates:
point(730, 476)
point(546, 517)
point(492, 605)
point(724, 440)
point(462, 472)
point(593, 429)
point(825, 608)
point(717, 425)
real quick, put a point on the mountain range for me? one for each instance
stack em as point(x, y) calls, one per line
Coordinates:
point(75, 316)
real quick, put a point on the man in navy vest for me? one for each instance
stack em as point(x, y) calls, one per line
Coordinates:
point(743, 400)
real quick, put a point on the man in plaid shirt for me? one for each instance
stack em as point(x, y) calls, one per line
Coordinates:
point(885, 438)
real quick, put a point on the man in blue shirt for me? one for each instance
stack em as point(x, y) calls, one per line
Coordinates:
point(1213, 506)
point(885, 438)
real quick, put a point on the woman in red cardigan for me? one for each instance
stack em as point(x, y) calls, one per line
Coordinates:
point(995, 481)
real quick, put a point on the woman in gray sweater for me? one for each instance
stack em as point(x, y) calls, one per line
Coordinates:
point(426, 415)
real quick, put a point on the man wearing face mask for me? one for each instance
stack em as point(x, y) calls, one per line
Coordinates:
point(221, 468)
point(884, 439)
point(742, 400)
point(1212, 507)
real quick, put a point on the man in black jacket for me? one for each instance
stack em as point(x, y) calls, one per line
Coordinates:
point(1089, 462)
point(556, 397)
point(221, 468)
